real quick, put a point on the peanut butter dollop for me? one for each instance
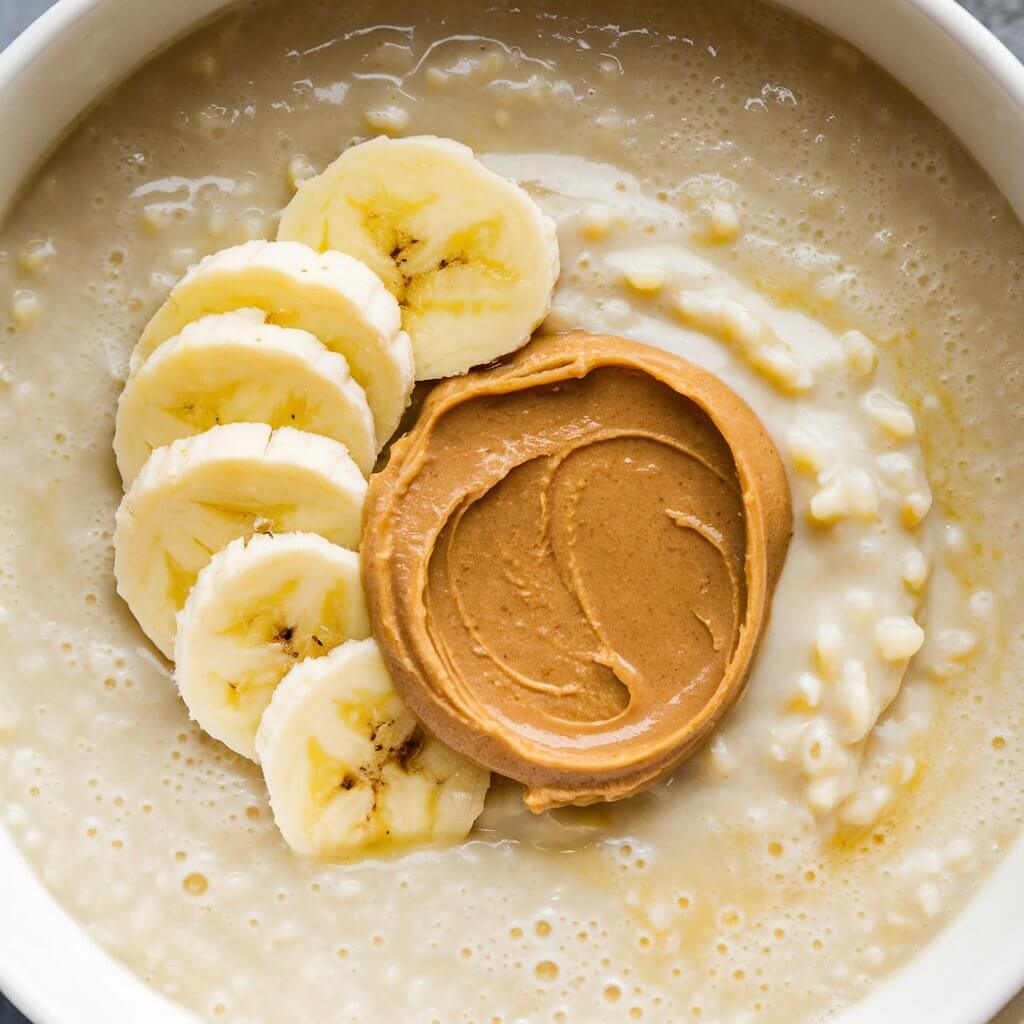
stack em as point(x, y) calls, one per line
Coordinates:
point(569, 562)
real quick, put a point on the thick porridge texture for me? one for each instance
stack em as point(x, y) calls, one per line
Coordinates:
point(729, 185)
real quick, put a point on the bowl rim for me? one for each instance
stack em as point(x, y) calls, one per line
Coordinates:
point(990, 52)
point(1005, 977)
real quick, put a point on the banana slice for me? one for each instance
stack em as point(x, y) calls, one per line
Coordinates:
point(467, 253)
point(236, 368)
point(198, 494)
point(256, 609)
point(349, 769)
point(332, 296)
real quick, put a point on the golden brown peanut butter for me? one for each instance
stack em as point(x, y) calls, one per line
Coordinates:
point(569, 561)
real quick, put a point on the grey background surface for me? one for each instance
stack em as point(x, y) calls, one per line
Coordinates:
point(1004, 17)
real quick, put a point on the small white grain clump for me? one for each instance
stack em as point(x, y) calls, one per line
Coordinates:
point(755, 340)
point(646, 280)
point(155, 218)
point(855, 701)
point(725, 221)
point(915, 508)
point(957, 644)
point(859, 350)
point(391, 120)
point(299, 170)
point(35, 255)
point(808, 452)
point(809, 689)
point(595, 221)
point(892, 415)
point(862, 494)
point(864, 808)
point(828, 649)
point(824, 794)
point(721, 758)
point(914, 569)
point(25, 308)
point(845, 492)
point(899, 469)
point(898, 637)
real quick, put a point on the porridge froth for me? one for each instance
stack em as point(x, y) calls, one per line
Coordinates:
point(728, 184)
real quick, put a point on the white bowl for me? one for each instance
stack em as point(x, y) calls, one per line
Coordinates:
point(48, 965)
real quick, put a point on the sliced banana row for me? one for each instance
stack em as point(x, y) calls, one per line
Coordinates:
point(335, 298)
point(259, 396)
point(348, 768)
point(273, 660)
point(412, 233)
point(261, 606)
point(200, 493)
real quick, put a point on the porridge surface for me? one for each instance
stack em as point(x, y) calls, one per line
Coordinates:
point(729, 184)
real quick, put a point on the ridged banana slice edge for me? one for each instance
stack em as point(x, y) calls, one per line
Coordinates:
point(195, 496)
point(334, 297)
point(469, 255)
point(258, 608)
point(237, 368)
point(350, 771)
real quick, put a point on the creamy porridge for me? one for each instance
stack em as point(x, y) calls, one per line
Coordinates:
point(728, 184)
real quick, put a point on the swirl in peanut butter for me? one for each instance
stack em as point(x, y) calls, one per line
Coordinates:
point(561, 565)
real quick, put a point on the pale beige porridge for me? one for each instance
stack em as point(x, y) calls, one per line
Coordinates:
point(709, 169)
